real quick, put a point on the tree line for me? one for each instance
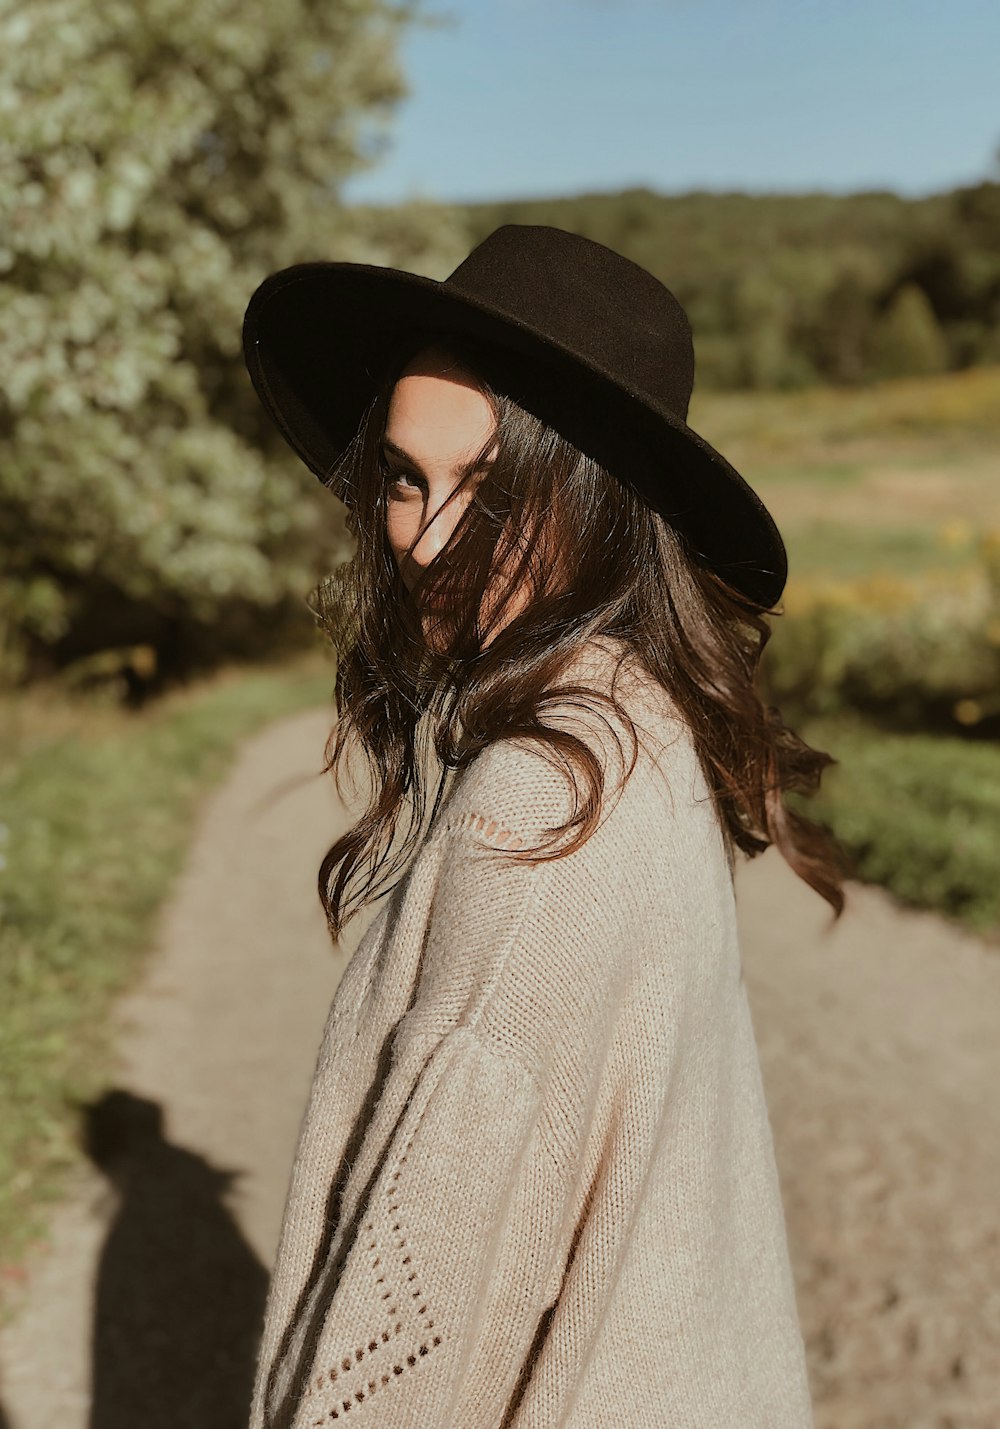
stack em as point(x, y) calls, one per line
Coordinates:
point(792, 290)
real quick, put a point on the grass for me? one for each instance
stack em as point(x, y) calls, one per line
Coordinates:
point(98, 808)
point(912, 419)
point(841, 548)
point(899, 474)
point(895, 480)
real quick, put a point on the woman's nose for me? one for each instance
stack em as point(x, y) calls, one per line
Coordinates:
point(438, 526)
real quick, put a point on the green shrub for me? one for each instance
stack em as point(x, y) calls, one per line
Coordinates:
point(919, 653)
point(919, 815)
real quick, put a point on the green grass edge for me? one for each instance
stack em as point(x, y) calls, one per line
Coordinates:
point(97, 822)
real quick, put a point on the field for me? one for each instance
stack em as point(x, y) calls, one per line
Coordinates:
point(894, 478)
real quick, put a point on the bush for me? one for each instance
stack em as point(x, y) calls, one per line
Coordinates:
point(915, 653)
point(919, 815)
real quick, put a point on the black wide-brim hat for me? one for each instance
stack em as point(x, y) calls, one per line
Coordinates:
point(596, 346)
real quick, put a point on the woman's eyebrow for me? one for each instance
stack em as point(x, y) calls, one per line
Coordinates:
point(390, 446)
point(466, 468)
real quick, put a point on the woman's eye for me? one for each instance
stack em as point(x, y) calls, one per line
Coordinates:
point(397, 478)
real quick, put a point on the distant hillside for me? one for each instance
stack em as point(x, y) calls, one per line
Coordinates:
point(791, 290)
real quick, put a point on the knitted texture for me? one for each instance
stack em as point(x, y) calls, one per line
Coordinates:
point(535, 1185)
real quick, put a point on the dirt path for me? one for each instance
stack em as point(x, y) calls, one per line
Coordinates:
point(881, 1057)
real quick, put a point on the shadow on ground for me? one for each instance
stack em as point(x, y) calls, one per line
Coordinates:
point(179, 1300)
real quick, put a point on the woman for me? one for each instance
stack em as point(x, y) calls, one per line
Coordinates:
point(535, 1183)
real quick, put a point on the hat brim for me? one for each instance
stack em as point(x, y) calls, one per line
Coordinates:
point(316, 341)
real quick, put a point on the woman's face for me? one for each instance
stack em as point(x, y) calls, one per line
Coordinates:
point(438, 423)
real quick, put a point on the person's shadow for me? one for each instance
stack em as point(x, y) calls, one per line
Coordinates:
point(180, 1294)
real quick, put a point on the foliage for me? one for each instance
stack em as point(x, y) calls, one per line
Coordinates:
point(160, 158)
point(907, 340)
point(918, 814)
point(919, 652)
point(786, 290)
point(85, 861)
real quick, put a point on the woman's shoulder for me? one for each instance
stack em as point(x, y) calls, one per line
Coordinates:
point(651, 776)
point(653, 867)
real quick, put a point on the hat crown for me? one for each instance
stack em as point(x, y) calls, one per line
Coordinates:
point(591, 302)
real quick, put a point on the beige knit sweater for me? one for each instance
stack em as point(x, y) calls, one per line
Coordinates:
point(535, 1184)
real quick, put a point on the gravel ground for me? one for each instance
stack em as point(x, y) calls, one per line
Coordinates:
point(881, 1059)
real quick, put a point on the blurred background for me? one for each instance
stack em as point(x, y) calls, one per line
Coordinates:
point(820, 186)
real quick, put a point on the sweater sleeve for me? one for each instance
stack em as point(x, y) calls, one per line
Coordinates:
point(423, 1305)
point(428, 1310)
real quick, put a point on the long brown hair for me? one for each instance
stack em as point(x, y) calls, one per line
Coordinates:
point(623, 572)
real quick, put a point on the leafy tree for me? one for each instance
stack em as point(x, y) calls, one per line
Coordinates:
point(158, 159)
point(974, 237)
point(907, 339)
point(840, 327)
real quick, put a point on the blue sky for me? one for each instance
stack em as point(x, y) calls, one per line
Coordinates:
point(536, 97)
